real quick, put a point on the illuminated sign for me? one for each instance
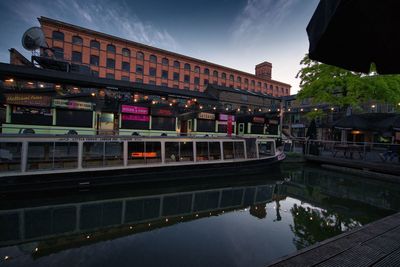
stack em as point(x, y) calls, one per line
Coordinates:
point(144, 154)
point(28, 100)
point(129, 117)
point(72, 104)
point(162, 112)
point(206, 116)
point(273, 122)
point(225, 117)
point(258, 120)
point(134, 110)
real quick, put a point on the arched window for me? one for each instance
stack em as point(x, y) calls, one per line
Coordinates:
point(139, 55)
point(165, 61)
point(265, 86)
point(239, 79)
point(111, 48)
point(246, 81)
point(215, 73)
point(177, 64)
point(58, 52)
point(259, 84)
point(197, 69)
point(126, 52)
point(253, 83)
point(94, 44)
point(153, 59)
point(187, 66)
point(76, 40)
point(206, 71)
point(231, 78)
point(59, 36)
point(223, 75)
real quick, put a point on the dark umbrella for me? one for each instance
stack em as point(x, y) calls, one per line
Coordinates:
point(352, 34)
point(352, 122)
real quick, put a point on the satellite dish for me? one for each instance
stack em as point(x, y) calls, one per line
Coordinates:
point(33, 39)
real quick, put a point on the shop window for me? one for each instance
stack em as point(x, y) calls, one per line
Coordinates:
point(76, 57)
point(163, 123)
point(139, 56)
point(186, 66)
point(76, 40)
point(153, 59)
point(110, 63)
point(165, 61)
point(94, 60)
point(206, 71)
point(205, 125)
point(176, 76)
point(164, 74)
point(126, 52)
point(126, 66)
point(111, 48)
point(74, 118)
point(59, 36)
point(94, 44)
point(139, 69)
point(177, 64)
point(58, 52)
point(31, 115)
point(152, 72)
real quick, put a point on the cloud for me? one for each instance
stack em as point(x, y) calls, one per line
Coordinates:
point(259, 17)
point(104, 16)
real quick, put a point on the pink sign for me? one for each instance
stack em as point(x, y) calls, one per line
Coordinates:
point(225, 117)
point(134, 110)
point(129, 117)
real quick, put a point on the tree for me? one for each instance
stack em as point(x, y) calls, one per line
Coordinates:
point(332, 85)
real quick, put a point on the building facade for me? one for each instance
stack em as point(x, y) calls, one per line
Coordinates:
point(116, 58)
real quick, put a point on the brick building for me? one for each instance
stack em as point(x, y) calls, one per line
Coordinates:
point(117, 58)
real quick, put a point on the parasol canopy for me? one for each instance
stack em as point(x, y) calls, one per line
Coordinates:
point(352, 34)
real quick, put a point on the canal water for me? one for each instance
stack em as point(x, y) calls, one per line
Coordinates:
point(248, 221)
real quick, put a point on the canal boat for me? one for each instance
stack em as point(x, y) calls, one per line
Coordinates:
point(40, 161)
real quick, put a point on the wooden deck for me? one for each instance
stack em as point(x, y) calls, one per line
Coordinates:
point(375, 244)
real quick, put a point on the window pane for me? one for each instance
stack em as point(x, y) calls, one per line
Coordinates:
point(186, 78)
point(153, 152)
point(58, 36)
point(201, 151)
point(40, 156)
point(205, 125)
point(228, 150)
point(126, 66)
point(125, 78)
point(58, 53)
point(110, 48)
point(165, 61)
point(94, 60)
point(92, 155)
point(215, 150)
point(163, 123)
point(113, 154)
point(110, 76)
point(110, 63)
point(176, 76)
point(139, 55)
point(239, 150)
point(139, 69)
point(94, 44)
point(153, 59)
point(76, 57)
point(77, 40)
point(187, 66)
point(65, 155)
point(177, 64)
point(265, 149)
point(152, 71)
point(10, 156)
point(164, 74)
point(171, 152)
point(126, 52)
point(186, 151)
point(136, 153)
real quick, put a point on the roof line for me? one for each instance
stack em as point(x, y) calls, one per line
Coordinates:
point(43, 19)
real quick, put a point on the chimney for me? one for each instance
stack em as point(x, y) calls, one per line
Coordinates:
point(264, 70)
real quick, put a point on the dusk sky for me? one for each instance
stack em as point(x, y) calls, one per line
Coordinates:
point(237, 34)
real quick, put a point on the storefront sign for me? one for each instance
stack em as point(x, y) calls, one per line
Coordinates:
point(32, 111)
point(225, 117)
point(206, 116)
point(162, 112)
point(28, 100)
point(276, 122)
point(72, 104)
point(258, 120)
point(134, 110)
point(129, 117)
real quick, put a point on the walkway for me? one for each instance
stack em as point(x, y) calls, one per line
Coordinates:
point(376, 244)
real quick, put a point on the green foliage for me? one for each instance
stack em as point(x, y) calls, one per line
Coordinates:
point(332, 85)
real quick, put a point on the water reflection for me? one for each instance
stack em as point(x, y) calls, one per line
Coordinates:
point(215, 221)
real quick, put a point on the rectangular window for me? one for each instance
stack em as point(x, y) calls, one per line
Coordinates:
point(164, 74)
point(152, 72)
point(94, 60)
point(76, 57)
point(126, 66)
point(110, 76)
point(228, 150)
point(125, 78)
point(196, 80)
point(139, 69)
point(163, 123)
point(74, 118)
point(176, 76)
point(214, 150)
point(110, 63)
point(187, 79)
point(206, 82)
point(201, 151)
point(205, 125)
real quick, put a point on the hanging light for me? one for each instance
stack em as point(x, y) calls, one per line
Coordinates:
point(315, 109)
point(201, 107)
point(170, 104)
point(301, 109)
point(214, 108)
point(332, 108)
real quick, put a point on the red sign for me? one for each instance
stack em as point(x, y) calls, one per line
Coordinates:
point(229, 125)
point(258, 120)
point(129, 117)
point(134, 110)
